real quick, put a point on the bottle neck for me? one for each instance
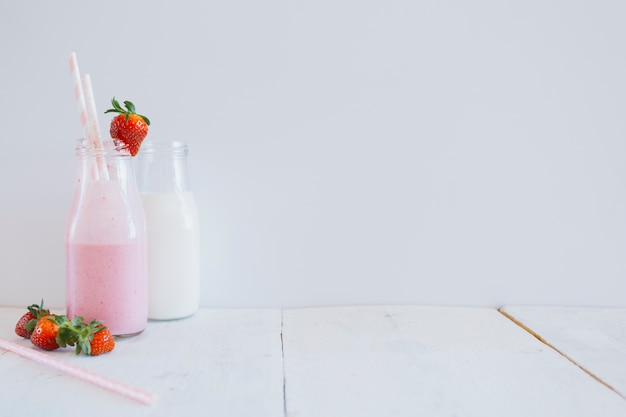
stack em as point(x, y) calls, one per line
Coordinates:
point(162, 167)
point(89, 148)
point(103, 161)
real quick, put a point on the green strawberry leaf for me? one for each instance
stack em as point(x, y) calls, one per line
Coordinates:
point(130, 106)
point(30, 326)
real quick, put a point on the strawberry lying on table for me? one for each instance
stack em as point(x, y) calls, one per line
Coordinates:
point(51, 331)
point(26, 324)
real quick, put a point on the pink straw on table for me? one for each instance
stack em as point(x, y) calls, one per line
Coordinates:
point(82, 373)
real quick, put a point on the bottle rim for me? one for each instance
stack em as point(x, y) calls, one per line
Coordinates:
point(106, 148)
point(151, 149)
point(114, 148)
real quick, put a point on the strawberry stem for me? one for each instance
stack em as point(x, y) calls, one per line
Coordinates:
point(130, 109)
point(77, 333)
point(38, 312)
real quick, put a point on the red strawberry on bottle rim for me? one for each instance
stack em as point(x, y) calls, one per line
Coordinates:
point(128, 127)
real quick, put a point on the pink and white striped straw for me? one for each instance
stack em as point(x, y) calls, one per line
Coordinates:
point(81, 373)
point(79, 95)
point(83, 93)
point(92, 122)
point(92, 117)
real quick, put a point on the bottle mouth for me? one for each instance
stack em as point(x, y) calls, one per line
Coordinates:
point(152, 149)
point(108, 148)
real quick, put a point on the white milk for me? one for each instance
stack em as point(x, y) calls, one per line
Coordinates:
point(173, 254)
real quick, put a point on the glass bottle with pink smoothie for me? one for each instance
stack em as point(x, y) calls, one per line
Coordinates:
point(107, 276)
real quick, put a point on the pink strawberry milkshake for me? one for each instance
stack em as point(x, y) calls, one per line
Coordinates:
point(106, 244)
point(107, 288)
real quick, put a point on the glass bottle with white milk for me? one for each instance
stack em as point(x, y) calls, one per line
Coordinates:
point(173, 234)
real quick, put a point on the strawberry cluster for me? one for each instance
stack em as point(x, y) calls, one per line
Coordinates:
point(50, 331)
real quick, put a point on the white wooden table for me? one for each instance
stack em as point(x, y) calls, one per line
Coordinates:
point(344, 361)
point(593, 338)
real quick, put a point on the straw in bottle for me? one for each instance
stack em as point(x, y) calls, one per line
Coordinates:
point(83, 93)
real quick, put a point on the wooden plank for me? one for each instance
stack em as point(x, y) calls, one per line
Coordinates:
point(408, 361)
point(593, 338)
point(218, 363)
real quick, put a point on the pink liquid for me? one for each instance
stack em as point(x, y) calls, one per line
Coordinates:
point(106, 285)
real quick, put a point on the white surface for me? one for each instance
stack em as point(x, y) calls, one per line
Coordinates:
point(406, 361)
point(342, 152)
point(348, 362)
point(595, 339)
point(218, 363)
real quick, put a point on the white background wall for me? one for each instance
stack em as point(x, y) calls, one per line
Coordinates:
point(342, 152)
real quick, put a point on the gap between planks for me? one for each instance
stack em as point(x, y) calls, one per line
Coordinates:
point(551, 346)
point(282, 356)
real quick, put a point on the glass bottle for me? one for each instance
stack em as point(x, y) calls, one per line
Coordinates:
point(106, 252)
point(173, 234)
